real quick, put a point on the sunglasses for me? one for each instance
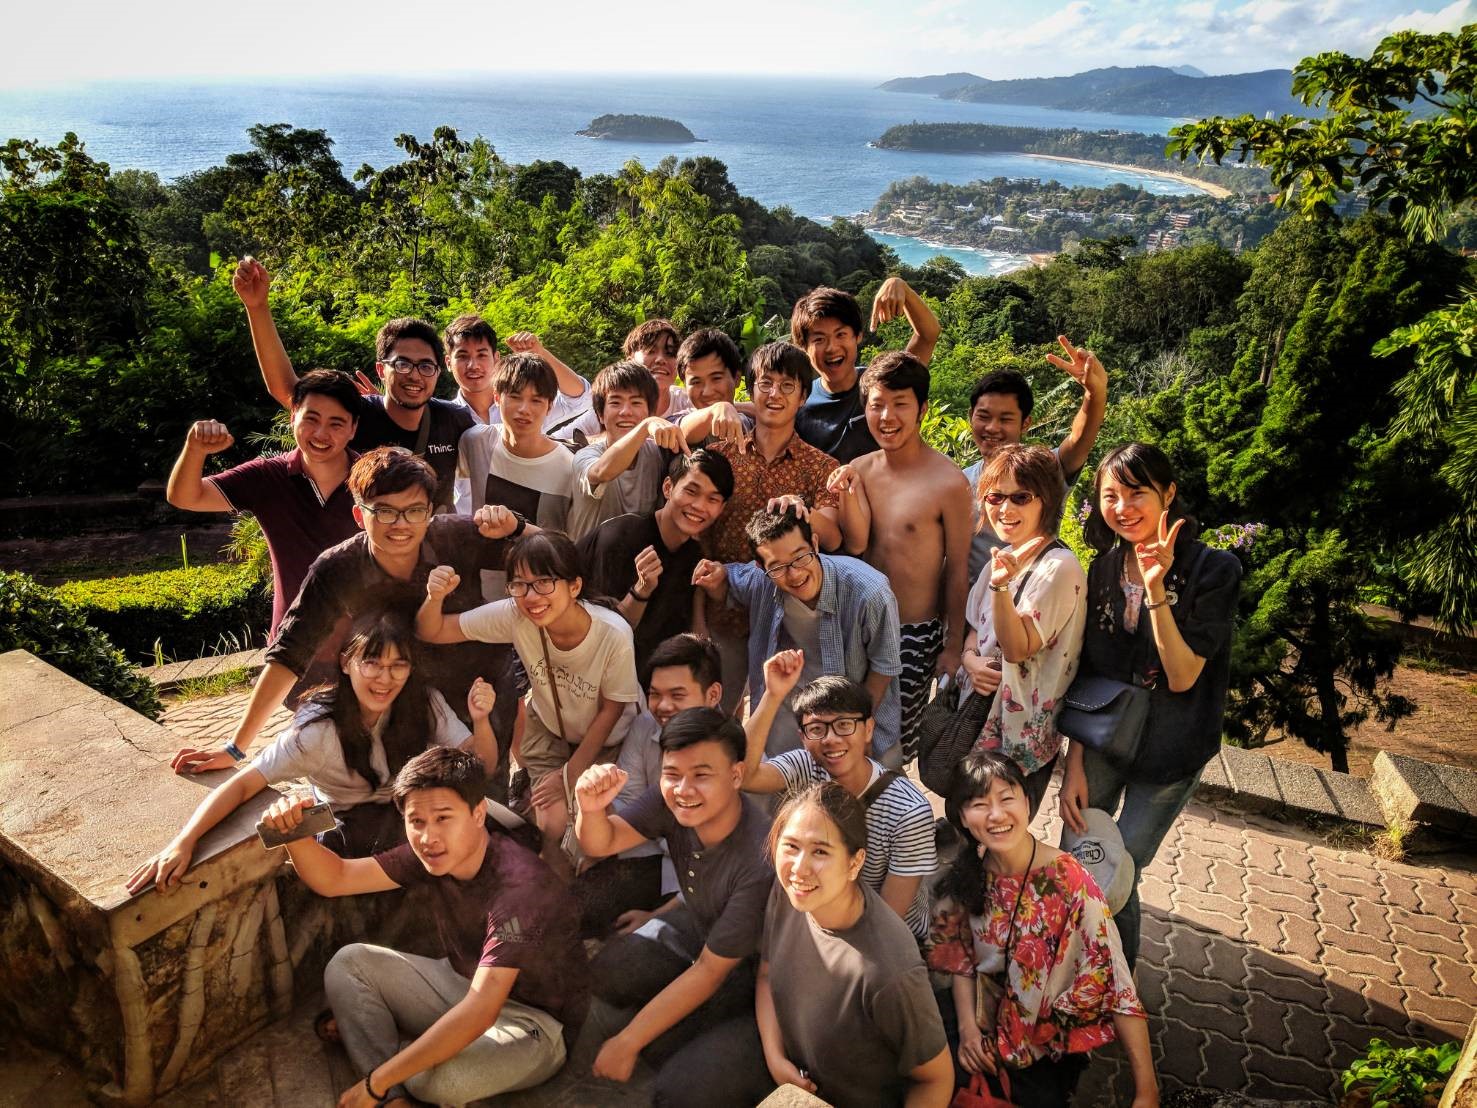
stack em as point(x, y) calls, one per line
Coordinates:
point(1020, 498)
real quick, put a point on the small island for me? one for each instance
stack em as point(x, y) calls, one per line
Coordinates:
point(638, 128)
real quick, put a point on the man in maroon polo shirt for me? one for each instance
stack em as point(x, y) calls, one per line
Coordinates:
point(301, 498)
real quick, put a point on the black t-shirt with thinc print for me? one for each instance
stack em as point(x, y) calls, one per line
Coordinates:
point(448, 422)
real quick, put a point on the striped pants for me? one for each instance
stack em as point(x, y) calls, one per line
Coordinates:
point(921, 644)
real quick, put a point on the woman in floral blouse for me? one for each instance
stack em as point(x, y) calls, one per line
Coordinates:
point(1025, 613)
point(1039, 975)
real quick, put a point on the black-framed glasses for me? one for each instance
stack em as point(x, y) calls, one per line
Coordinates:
point(776, 572)
point(372, 668)
point(541, 585)
point(842, 726)
point(1020, 498)
point(383, 513)
point(402, 366)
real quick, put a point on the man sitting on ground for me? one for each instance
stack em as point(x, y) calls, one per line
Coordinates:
point(301, 498)
point(836, 722)
point(839, 611)
point(499, 1011)
point(689, 971)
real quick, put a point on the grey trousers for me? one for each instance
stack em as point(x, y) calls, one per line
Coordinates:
point(382, 999)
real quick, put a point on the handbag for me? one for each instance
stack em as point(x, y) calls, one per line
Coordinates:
point(978, 1094)
point(1105, 715)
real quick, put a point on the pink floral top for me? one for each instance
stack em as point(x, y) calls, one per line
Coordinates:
point(1067, 976)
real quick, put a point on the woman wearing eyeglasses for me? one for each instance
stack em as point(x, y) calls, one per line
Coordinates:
point(348, 741)
point(1026, 613)
point(581, 664)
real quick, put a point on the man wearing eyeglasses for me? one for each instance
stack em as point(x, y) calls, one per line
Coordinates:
point(839, 612)
point(387, 565)
point(409, 358)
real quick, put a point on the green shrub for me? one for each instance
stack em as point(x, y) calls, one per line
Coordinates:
point(178, 613)
point(32, 618)
point(1401, 1077)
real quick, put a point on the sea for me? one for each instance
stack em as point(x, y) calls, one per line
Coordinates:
point(800, 142)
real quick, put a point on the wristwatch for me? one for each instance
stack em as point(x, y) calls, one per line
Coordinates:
point(236, 753)
point(522, 525)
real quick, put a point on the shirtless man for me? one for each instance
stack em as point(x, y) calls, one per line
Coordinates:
point(905, 508)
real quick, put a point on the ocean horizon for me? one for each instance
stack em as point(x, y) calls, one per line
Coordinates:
point(797, 142)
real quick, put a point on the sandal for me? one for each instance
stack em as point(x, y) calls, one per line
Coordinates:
point(325, 1026)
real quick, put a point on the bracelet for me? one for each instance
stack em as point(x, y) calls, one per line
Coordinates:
point(1149, 604)
point(1000, 588)
point(374, 1096)
point(522, 525)
point(236, 753)
point(636, 596)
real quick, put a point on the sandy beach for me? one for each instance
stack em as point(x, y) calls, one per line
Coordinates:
point(1220, 192)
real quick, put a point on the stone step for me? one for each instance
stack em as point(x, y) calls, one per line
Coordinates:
point(173, 674)
point(1261, 782)
point(1412, 791)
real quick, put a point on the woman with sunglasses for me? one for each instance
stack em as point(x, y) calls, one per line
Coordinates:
point(581, 664)
point(1161, 610)
point(1025, 614)
point(348, 741)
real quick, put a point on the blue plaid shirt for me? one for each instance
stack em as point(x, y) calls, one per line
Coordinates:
point(858, 630)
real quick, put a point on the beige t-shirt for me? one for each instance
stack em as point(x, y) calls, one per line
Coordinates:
point(602, 665)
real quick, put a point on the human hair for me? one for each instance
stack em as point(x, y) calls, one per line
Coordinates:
point(467, 328)
point(711, 464)
point(441, 767)
point(1006, 382)
point(386, 470)
point(710, 340)
point(1137, 465)
point(330, 383)
point(410, 721)
point(700, 725)
point(831, 694)
point(1035, 469)
point(824, 303)
point(646, 336)
point(833, 802)
point(517, 372)
point(973, 777)
point(623, 377)
point(408, 327)
point(766, 526)
point(545, 554)
point(780, 359)
point(897, 370)
point(700, 655)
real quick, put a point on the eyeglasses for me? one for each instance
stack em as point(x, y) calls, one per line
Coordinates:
point(776, 572)
point(541, 585)
point(784, 387)
point(372, 669)
point(843, 726)
point(402, 366)
point(383, 513)
point(1020, 498)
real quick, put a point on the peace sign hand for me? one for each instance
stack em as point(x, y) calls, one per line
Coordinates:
point(1155, 558)
point(1081, 364)
point(1005, 564)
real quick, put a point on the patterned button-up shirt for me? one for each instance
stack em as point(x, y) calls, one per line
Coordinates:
point(799, 469)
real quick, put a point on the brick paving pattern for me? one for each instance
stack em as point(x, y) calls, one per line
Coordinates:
point(1269, 960)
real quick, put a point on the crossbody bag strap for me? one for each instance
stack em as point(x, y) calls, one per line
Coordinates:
point(878, 787)
point(543, 638)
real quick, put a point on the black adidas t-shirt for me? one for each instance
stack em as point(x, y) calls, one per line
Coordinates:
point(448, 422)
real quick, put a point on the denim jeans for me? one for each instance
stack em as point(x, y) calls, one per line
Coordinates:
point(1148, 812)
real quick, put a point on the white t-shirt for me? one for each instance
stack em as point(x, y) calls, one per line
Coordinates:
point(634, 492)
point(603, 664)
point(1022, 722)
point(899, 829)
point(310, 749)
point(678, 405)
point(487, 472)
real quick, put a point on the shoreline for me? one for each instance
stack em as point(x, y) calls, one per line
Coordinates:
point(1220, 192)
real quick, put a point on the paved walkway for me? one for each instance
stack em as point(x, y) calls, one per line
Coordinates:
point(1269, 960)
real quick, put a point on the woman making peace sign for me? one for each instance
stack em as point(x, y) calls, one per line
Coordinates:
point(1161, 607)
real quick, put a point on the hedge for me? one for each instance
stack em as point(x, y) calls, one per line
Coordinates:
point(179, 613)
point(32, 618)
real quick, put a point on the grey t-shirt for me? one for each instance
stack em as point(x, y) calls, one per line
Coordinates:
point(725, 886)
point(800, 629)
point(855, 1007)
point(635, 492)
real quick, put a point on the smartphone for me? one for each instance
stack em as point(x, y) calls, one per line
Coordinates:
point(317, 819)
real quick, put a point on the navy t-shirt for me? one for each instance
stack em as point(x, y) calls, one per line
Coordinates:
point(836, 423)
point(448, 422)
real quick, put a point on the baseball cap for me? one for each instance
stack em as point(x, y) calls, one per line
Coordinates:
point(1101, 852)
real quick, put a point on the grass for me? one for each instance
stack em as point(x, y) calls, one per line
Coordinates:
point(1425, 660)
point(1389, 844)
point(217, 684)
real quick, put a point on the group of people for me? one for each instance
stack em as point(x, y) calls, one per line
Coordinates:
point(705, 629)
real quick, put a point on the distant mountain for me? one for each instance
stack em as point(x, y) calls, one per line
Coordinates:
point(638, 128)
point(934, 86)
point(1189, 71)
point(1139, 90)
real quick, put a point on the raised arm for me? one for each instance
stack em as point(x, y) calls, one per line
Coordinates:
point(1016, 631)
point(251, 283)
point(854, 513)
point(1182, 666)
point(188, 490)
point(781, 672)
point(321, 869)
point(1082, 366)
point(632, 606)
point(720, 420)
point(483, 743)
point(896, 297)
point(431, 623)
point(600, 834)
point(620, 455)
point(166, 870)
point(570, 382)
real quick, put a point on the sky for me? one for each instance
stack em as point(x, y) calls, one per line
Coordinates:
point(71, 41)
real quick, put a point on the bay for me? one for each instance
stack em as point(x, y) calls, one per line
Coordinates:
point(786, 141)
